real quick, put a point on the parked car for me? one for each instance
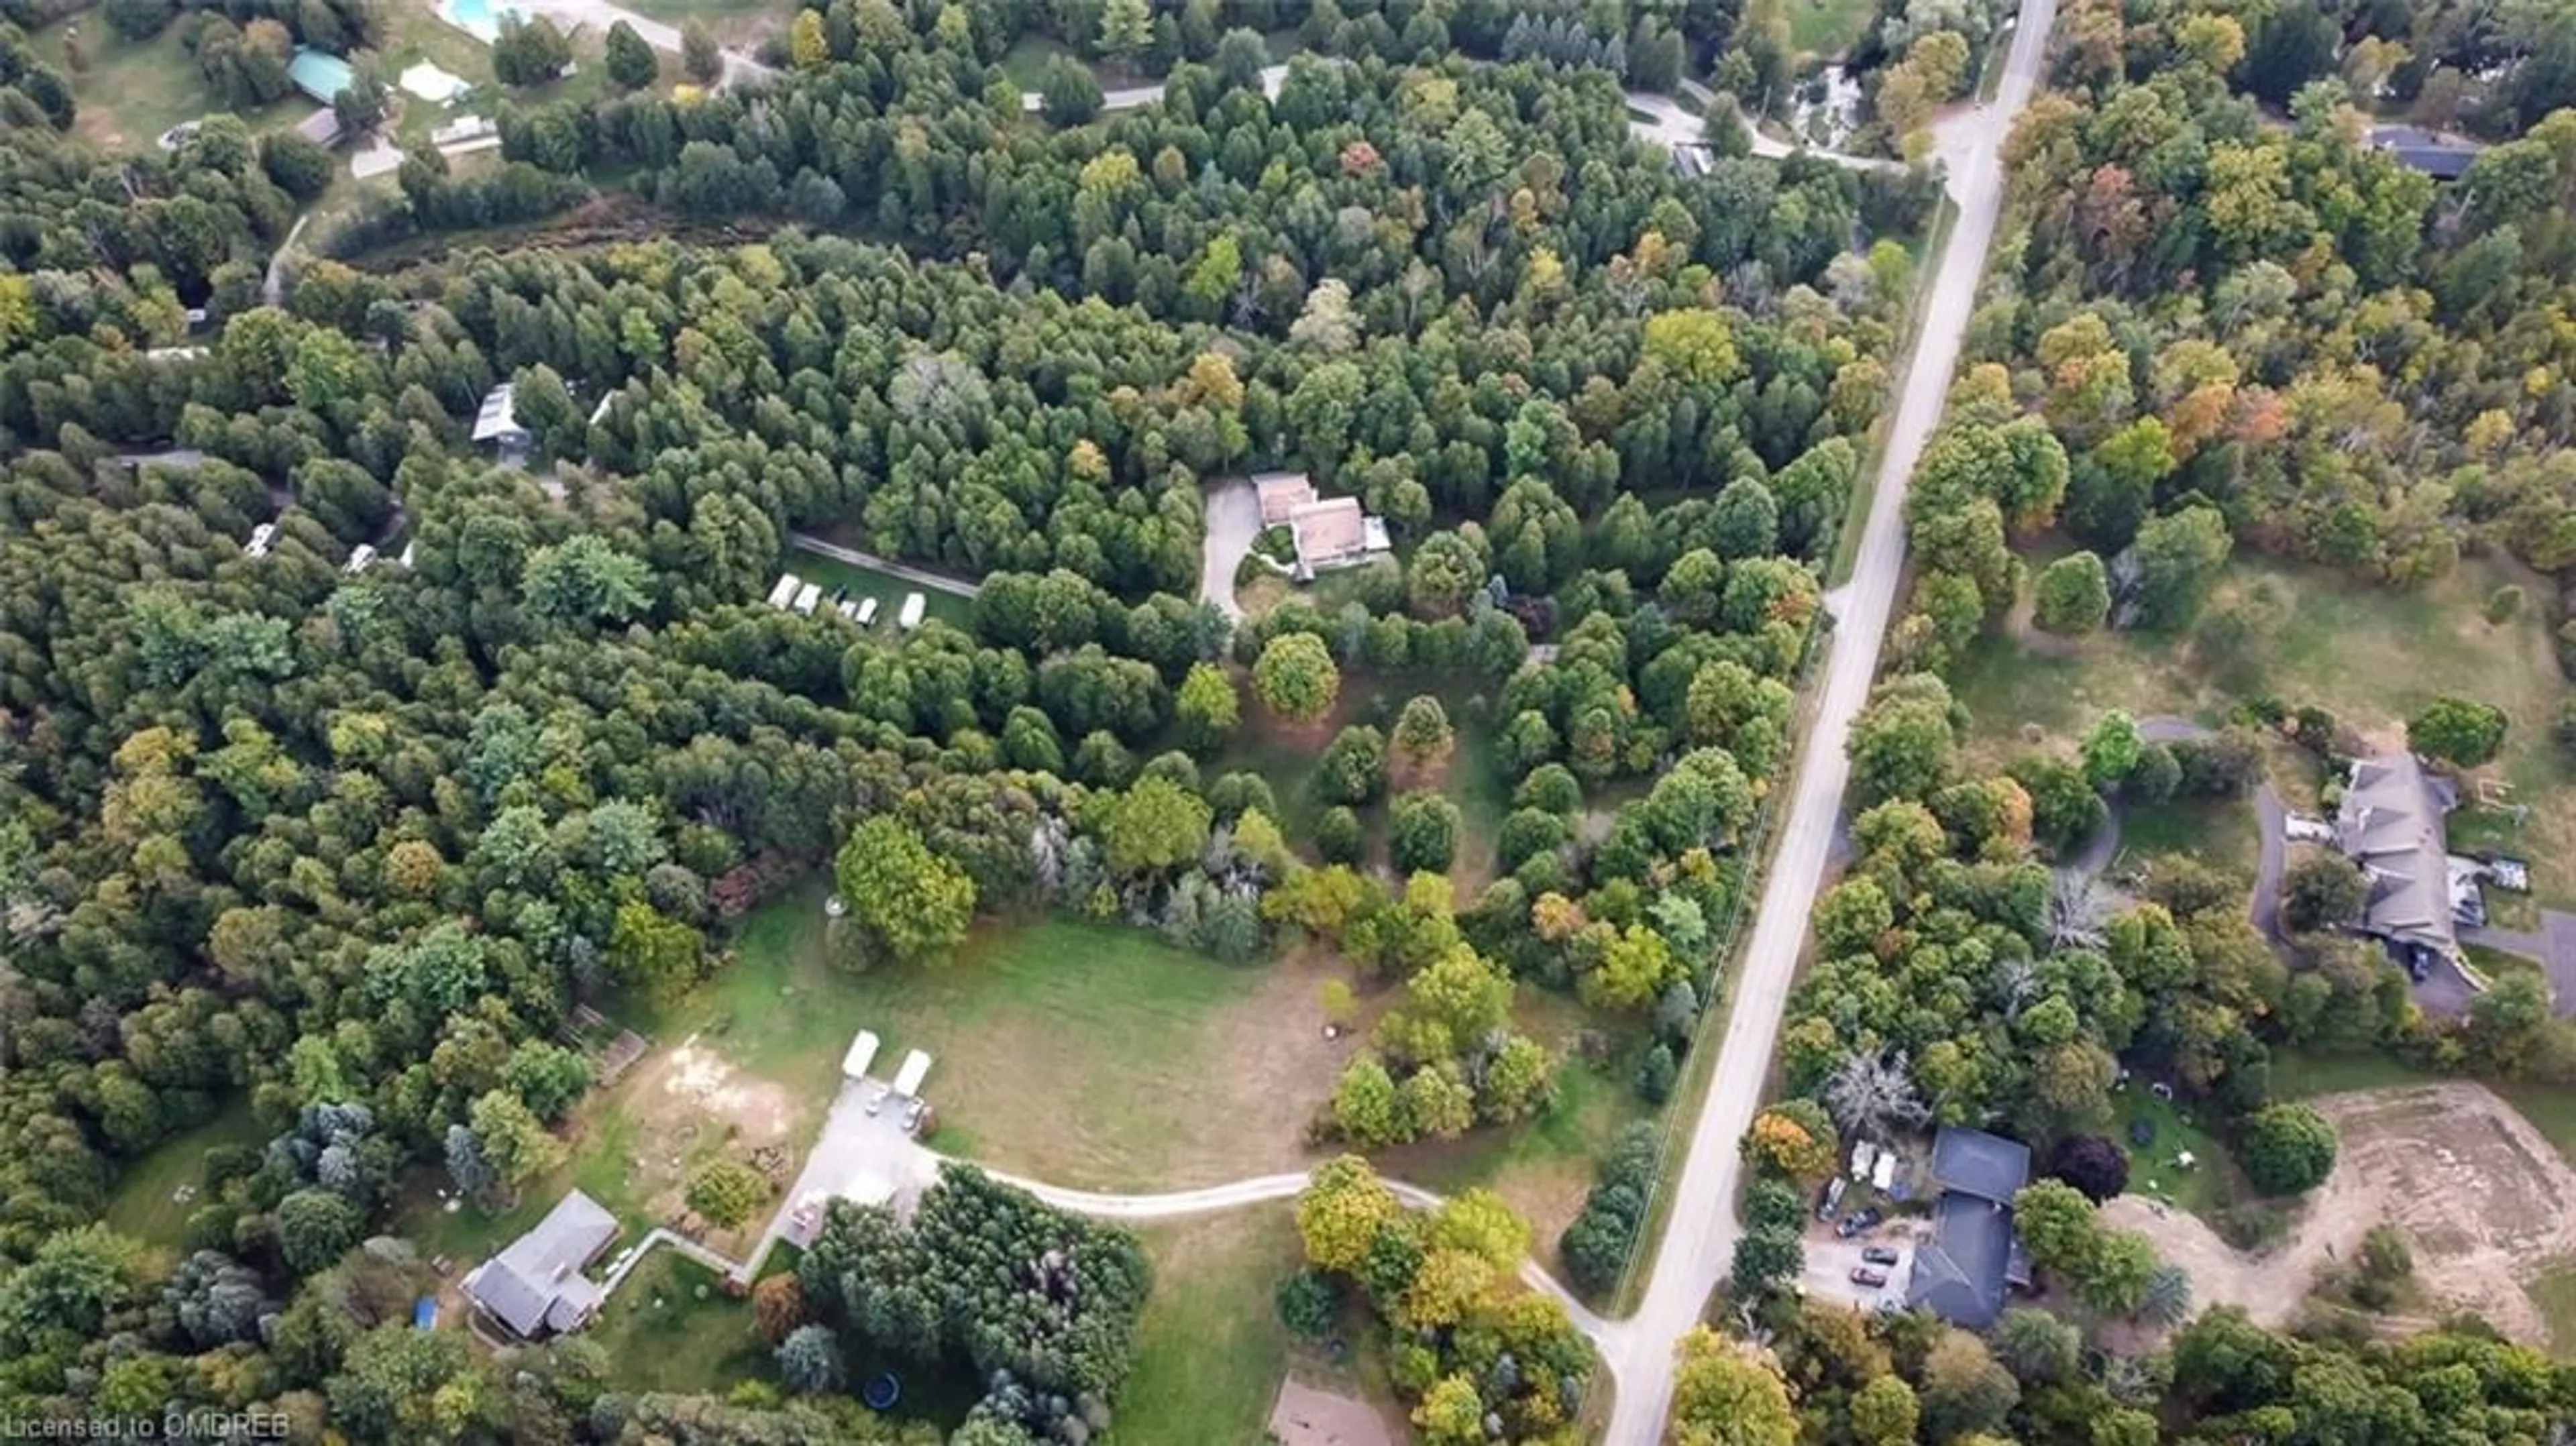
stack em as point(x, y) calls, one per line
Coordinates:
point(1863, 1275)
point(1831, 1199)
point(1879, 1255)
point(912, 1115)
point(877, 1097)
point(1858, 1222)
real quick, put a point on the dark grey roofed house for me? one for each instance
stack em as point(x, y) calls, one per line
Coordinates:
point(2438, 156)
point(1972, 1162)
point(535, 1286)
point(2390, 823)
point(1972, 1260)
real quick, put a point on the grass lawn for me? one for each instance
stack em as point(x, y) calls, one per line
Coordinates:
point(143, 1205)
point(1210, 1349)
point(1825, 28)
point(2206, 1189)
point(1085, 1054)
point(887, 589)
point(2372, 656)
point(671, 1327)
point(2553, 1289)
point(133, 90)
point(2220, 833)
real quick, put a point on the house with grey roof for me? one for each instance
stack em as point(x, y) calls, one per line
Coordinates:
point(1972, 1261)
point(2444, 158)
point(2390, 825)
point(535, 1287)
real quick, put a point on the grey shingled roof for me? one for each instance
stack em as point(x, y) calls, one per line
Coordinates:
point(1960, 1273)
point(2422, 150)
point(535, 1284)
point(1975, 1163)
point(2390, 823)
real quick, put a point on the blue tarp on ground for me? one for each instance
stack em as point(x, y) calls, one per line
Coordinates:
point(319, 73)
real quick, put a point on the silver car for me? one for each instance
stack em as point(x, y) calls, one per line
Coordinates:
point(877, 1097)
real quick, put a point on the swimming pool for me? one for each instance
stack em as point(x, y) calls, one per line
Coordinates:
point(478, 18)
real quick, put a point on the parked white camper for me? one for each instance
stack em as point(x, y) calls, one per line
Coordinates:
point(914, 605)
point(262, 538)
point(785, 591)
point(867, 612)
point(863, 1052)
point(360, 558)
point(808, 595)
point(916, 1068)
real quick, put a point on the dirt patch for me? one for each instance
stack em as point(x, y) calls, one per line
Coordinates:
point(756, 1110)
point(2480, 1197)
point(1307, 1416)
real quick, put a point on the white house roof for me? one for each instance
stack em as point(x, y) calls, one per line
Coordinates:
point(498, 418)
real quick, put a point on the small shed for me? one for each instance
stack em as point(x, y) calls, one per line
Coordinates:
point(916, 1068)
point(863, 1052)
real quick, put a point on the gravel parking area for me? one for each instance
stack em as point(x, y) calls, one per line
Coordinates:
point(1831, 1260)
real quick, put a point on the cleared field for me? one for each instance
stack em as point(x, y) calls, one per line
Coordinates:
point(2220, 834)
point(887, 589)
point(2481, 1198)
point(145, 1204)
point(1086, 1054)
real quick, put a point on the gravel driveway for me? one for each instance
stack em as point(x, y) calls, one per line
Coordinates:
point(1233, 525)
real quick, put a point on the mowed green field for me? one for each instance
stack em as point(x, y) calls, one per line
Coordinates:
point(1210, 1349)
point(144, 1204)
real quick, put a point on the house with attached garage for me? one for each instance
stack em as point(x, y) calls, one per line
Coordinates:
point(1973, 1261)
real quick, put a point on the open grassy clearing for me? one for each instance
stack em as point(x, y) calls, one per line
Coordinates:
point(2219, 833)
point(2553, 1293)
point(144, 1204)
point(886, 588)
point(671, 1327)
point(1026, 61)
point(1210, 1349)
point(1826, 28)
point(130, 91)
point(2372, 656)
point(2207, 1188)
point(1085, 1054)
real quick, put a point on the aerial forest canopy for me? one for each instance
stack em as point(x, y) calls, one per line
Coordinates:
point(344, 848)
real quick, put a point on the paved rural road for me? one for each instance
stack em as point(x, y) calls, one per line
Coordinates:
point(1239, 1193)
point(1699, 1243)
point(936, 581)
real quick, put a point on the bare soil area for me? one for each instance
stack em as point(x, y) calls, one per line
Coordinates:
point(1306, 1416)
point(2481, 1197)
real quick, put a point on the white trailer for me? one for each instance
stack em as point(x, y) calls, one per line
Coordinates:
point(867, 612)
point(785, 592)
point(914, 605)
point(360, 558)
point(808, 595)
point(863, 1052)
point(1884, 1175)
point(916, 1068)
point(262, 538)
point(1864, 1155)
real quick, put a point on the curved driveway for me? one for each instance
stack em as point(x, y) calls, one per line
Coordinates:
point(1261, 1189)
